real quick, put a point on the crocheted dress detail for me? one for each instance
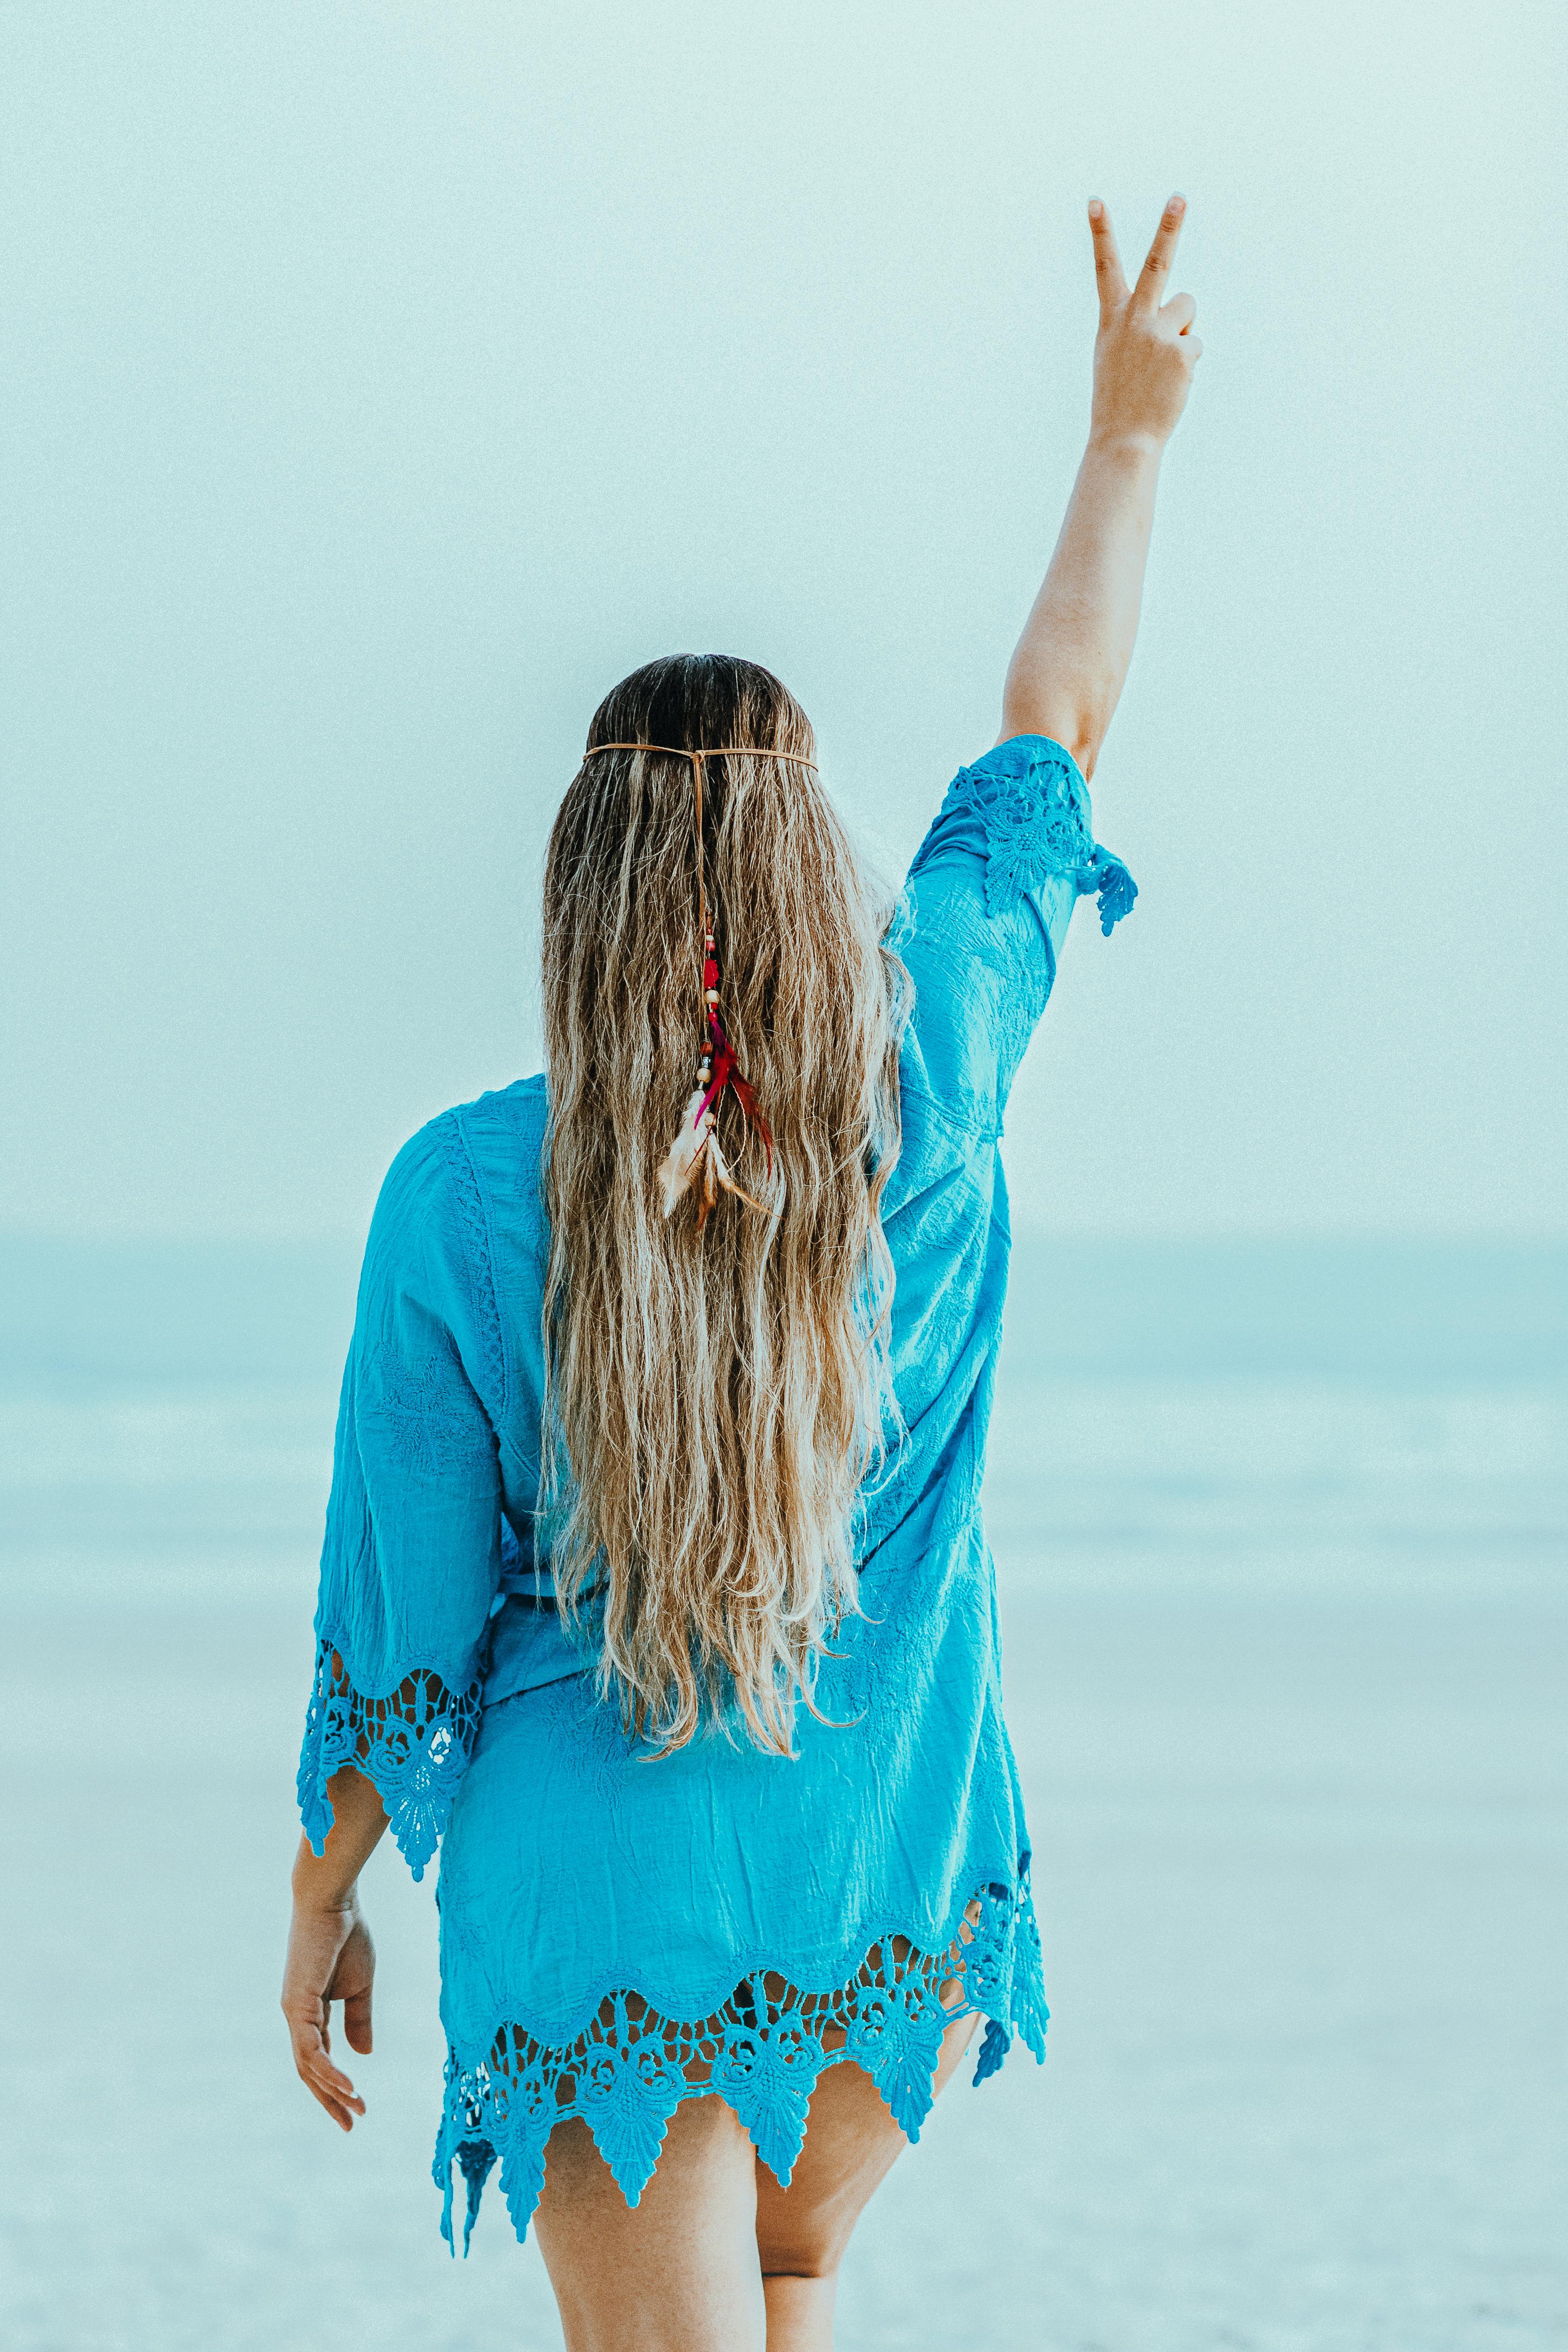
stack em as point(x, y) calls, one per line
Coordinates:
point(762, 2050)
point(1030, 805)
point(412, 1741)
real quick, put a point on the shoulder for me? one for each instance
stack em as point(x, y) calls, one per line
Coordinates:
point(520, 1109)
point(460, 1222)
point(1021, 814)
point(517, 1109)
point(1024, 767)
point(437, 1175)
point(495, 1143)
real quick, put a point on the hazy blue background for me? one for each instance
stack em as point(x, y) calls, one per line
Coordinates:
point(385, 381)
point(380, 383)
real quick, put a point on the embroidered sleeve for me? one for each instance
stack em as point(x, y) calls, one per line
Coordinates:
point(411, 1561)
point(412, 1741)
point(990, 894)
point(1024, 810)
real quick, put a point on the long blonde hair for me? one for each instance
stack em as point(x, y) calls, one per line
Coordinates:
point(714, 1397)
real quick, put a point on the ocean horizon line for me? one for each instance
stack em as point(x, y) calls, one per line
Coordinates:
point(1407, 1309)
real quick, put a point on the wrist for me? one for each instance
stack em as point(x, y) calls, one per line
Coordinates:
point(326, 1903)
point(326, 1899)
point(316, 1886)
point(1118, 445)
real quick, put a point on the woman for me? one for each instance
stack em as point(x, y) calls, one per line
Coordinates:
point(655, 1585)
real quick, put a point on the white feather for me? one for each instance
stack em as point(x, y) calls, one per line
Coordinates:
point(721, 1172)
point(679, 1165)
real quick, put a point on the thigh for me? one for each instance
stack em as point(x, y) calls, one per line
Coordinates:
point(851, 2144)
point(678, 2272)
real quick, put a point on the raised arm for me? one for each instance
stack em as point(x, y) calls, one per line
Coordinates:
point(1067, 673)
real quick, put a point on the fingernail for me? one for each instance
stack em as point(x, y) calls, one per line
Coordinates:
point(1178, 203)
point(1095, 208)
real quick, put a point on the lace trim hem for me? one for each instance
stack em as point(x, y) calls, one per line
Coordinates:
point(414, 1743)
point(762, 2052)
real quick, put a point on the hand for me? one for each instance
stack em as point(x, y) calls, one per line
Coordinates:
point(331, 1958)
point(1144, 353)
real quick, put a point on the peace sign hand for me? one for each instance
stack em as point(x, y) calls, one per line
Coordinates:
point(1144, 353)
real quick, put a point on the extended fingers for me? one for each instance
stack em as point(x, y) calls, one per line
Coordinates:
point(1108, 274)
point(334, 2092)
point(338, 2111)
point(326, 2083)
point(1155, 272)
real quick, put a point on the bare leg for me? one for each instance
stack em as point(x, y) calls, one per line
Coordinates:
point(851, 2142)
point(677, 2273)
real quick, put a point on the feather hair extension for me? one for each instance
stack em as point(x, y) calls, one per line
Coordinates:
point(679, 1165)
point(695, 1162)
point(724, 1177)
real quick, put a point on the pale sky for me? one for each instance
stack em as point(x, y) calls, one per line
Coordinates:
point(383, 382)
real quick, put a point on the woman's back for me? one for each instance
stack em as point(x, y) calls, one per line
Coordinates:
point(460, 1614)
point(447, 1380)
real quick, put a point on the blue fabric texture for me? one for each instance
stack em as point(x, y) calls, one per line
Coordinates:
point(617, 1935)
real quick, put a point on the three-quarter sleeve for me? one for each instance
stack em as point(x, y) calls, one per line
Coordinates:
point(411, 1561)
point(990, 894)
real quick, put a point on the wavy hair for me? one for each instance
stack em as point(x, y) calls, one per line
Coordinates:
point(717, 1392)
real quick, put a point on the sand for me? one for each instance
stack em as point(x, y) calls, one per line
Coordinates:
point(1285, 1671)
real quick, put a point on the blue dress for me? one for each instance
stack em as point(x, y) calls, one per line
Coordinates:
point(618, 1935)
